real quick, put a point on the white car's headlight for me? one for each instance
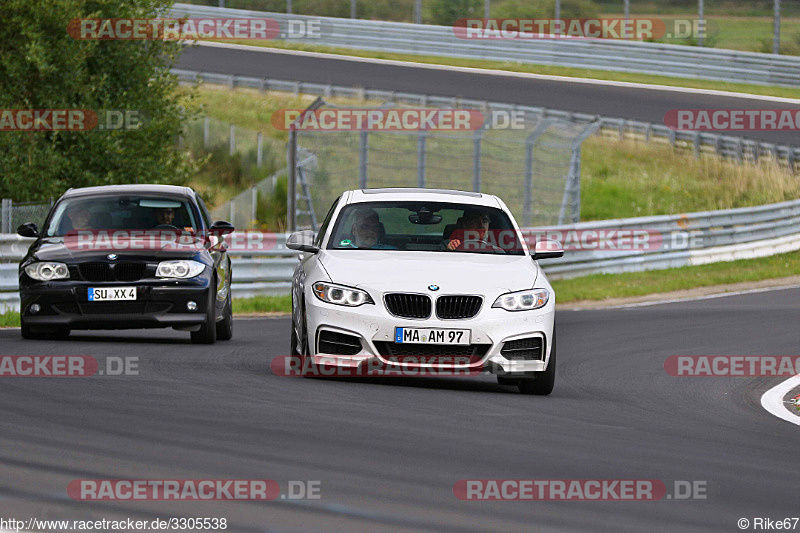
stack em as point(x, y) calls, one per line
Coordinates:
point(46, 271)
point(341, 295)
point(523, 300)
point(187, 268)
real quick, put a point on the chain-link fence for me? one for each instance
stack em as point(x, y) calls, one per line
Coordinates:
point(12, 214)
point(534, 166)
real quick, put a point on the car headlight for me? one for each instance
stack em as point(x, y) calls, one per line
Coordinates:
point(523, 300)
point(179, 269)
point(46, 271)
point(341, 295)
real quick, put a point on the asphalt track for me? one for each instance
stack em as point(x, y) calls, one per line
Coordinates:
point(388, 452)
point(633, 103)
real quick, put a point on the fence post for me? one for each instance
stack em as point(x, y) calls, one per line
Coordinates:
point(206, 132)
point(528, 188)
point(6, 219)
point(291, 181)
point(421, 153)
point(253, 215)
point(260, 153)
point(476, 159)
point(363, 156)
point(572, 189)
point(232, 139)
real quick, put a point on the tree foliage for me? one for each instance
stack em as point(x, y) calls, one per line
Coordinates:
point(42, 67)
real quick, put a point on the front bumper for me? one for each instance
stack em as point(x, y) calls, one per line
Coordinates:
point(490, 330)
point(159, 303)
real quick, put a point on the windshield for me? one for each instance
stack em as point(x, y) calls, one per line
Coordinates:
point(425, 226)
point(121, 213)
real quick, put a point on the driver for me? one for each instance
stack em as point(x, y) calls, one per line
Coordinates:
point(475, 227)
point(79, 217)
point(366, 230)
point(165, 216)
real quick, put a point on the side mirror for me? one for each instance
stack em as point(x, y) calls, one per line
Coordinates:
point(28, 229)
point(220, 228)
point(547, 250)
point(302, 241)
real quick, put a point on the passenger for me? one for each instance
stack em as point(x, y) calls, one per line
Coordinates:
point(367, 230)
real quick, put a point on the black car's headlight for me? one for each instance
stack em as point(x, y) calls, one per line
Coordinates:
point(523, 300)
point(341, 295)
point(46, 271)
point(185, 268)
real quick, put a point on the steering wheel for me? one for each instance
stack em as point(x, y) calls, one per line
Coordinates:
point(168, 226)
point(494, 247)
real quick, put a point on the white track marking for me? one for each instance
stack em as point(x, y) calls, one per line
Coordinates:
point(495, 72)
point(772, 400)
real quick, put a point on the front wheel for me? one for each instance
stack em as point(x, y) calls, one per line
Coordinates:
point(543, 383)
point(225, 326)
point(207, 334)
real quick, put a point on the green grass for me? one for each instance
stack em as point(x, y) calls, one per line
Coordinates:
point(9, 320)
point(787, 92)
point(602, 286)
point(263, 304)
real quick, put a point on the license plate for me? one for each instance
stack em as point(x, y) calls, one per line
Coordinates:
point(432, 336)
point(112, 294)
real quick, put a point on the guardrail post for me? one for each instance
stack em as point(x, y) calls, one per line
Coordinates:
point(6, 218)
point(421, 156)
point(260, 150)
point(206, 131)
point(363, 156)
point(291, 181)
point(232, 140)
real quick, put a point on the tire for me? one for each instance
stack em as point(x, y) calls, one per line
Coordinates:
point(309, 368)
point(225, 326)
point(543, 383)
point(207, 334)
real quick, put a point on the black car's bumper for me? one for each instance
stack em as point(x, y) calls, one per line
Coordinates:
point(158, 304)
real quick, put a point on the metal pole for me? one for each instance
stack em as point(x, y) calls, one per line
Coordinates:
point(418, 11)
point(221, 3)
point(206, 131)
point(352, 9)
point(476, 160)
point(260, 152)
point(776, 39)
point(486, 8)
point(6, 218)
point(232, 140)
point(363, 157)
point(289, 7)
point(558, 10)
point(527, 207)
point(700, 29)
point(255, 205)
point(627, 16)
point(421, 158)
point(291, 181)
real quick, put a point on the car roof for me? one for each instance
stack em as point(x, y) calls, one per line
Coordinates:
point(417, 194)
point(144, 188)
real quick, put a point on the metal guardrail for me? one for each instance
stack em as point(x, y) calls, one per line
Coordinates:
point(705, 237)
point(728, 146)
point(604, 54)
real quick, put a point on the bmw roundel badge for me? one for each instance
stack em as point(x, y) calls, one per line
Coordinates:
point(433, 287)
point(112, 257)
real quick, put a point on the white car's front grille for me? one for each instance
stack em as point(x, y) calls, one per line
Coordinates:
point(408, 305)
point(454, 307)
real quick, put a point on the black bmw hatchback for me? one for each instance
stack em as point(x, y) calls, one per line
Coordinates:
point(127, 256)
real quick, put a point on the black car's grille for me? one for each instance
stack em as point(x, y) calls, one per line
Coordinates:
point(529, 349)
point(388, 349)
point(116, 272)
point(408, 305)
point(453, 307)
point(95, 271)
point(334, 343)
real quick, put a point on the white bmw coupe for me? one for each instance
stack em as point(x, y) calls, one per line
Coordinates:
point(425, 277)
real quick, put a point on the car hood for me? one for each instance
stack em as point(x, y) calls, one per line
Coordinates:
point(54, 249)
point(414, 271)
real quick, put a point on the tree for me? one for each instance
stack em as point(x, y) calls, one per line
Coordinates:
point(42, 67)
